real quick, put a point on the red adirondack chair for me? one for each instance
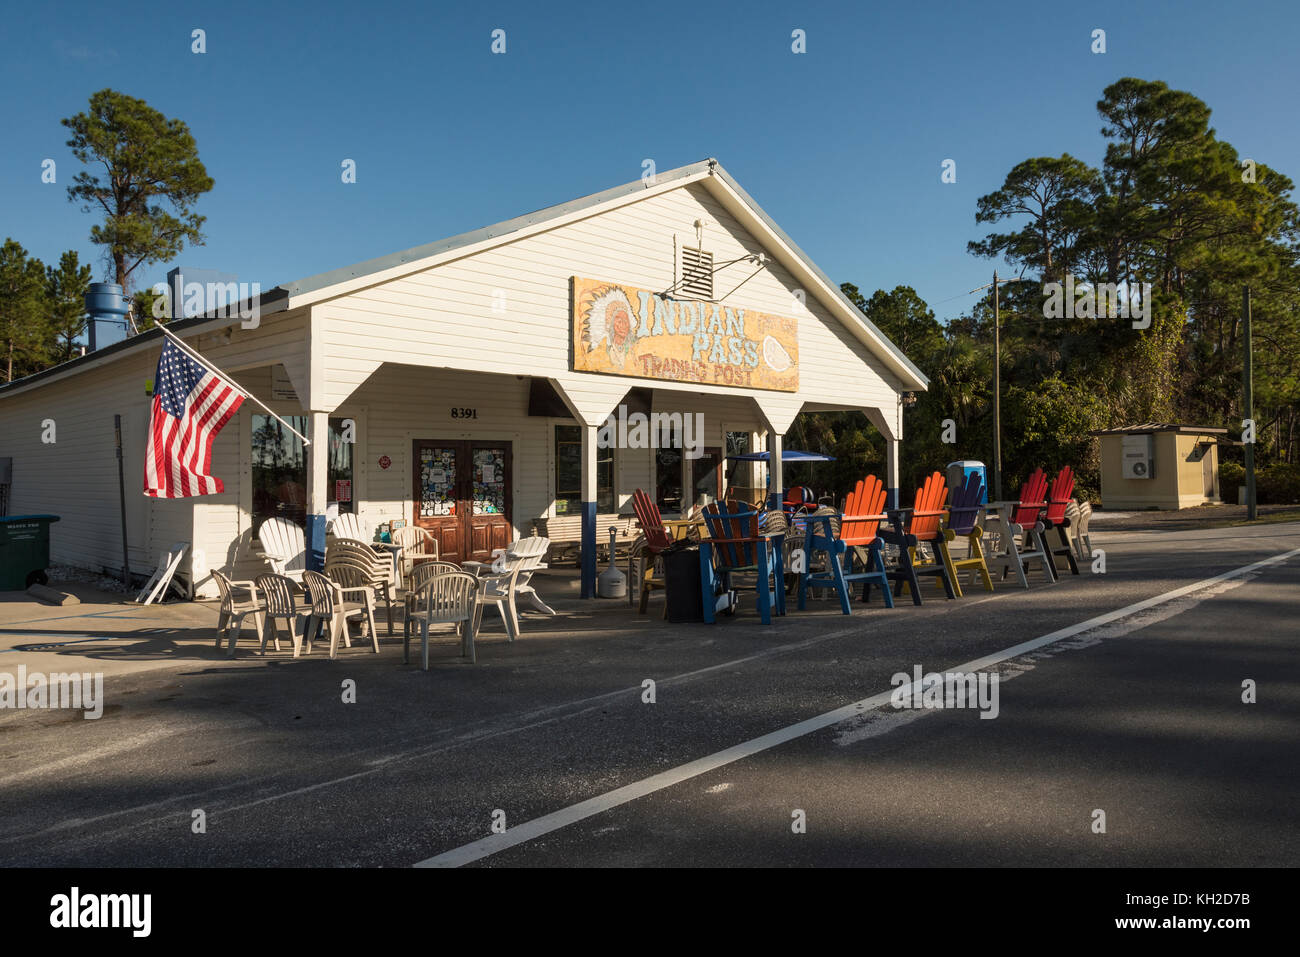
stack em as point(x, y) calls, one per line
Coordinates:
point(1017, 531)
point(917, 525)
point(1058, 502)
point(657, 539)
point(735, 546)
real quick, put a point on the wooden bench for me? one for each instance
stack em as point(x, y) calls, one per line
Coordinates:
point(565, 533)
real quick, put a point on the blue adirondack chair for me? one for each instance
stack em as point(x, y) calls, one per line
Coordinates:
point(735, 546)
point(858, 526)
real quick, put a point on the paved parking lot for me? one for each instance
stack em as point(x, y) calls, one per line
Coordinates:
point(1138, 714)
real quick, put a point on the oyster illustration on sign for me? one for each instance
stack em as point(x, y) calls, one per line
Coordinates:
point(774, 354)
point(609, 319)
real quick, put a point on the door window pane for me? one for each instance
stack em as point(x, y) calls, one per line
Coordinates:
point(489, 481)
point(437, 481)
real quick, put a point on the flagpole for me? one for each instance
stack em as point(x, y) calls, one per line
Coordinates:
point(221, 375)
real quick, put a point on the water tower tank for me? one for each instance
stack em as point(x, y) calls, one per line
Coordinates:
point(107, 308)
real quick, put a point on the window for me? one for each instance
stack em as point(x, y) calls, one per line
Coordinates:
point(279, 467)
point(706, 472)
point(668, 479)
point(739, 473)
point(697, 273)
point(568, 473)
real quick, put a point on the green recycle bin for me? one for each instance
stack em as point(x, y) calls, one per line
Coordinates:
point(24, 550)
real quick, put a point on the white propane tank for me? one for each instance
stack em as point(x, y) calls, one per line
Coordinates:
point(611, 583)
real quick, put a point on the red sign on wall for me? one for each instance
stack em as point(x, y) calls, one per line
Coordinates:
point(384, 461)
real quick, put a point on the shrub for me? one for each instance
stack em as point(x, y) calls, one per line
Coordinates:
point(1232, 475)
point(1278, 485)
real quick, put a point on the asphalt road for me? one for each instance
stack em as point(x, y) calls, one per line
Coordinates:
point(1140, 717)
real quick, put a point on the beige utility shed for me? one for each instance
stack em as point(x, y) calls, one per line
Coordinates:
point(1160, 465)
point(463, 385)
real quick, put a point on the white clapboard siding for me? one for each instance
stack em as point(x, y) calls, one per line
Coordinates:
point(76, 476)
point(401, 404)
point(507, 309)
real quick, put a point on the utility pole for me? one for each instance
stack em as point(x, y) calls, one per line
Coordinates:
point(997, 396)
point(1248, 405)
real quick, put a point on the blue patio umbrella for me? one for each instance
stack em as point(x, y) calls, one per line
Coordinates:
point(787, 455)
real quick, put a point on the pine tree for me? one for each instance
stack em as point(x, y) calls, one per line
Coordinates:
point(65, 289)
point(24, 322)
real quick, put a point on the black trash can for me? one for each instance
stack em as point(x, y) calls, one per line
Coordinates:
point(682, 588)
point(24, 550)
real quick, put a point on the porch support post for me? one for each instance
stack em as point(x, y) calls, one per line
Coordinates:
point(317, 487)
point(777, 491)
point(889, 422)
point(588, 553)
point(778, 414)
point(891, 472)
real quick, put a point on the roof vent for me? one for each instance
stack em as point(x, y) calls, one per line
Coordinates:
point(697, 273)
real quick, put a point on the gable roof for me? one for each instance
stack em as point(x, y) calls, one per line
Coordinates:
point(709, 172)
point(1146, 427)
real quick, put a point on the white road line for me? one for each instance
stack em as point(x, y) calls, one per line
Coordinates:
point(530, 830)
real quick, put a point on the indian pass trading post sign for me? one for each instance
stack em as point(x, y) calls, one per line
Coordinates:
point(622, 330)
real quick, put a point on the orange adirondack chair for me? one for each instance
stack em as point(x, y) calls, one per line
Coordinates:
point(917, 525)
point(863, 513)
point(857, 536)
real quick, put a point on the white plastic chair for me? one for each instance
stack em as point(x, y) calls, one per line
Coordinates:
point(500, 589)
point(414, 582)
point(529, 552)
point(348, 525)
point(1079, 519)
point(414, 542)
point(285, 546)
point(378, 569)
point(155, 590)
point(280, 595)
point(446, 599)
point(238, 599)
point(329, 605)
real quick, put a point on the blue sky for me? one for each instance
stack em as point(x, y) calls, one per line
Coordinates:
point(842, 145)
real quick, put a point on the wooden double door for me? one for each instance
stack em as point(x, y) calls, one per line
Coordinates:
point(462, 492)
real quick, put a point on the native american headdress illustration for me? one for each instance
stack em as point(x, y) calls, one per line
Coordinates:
point(610, 319)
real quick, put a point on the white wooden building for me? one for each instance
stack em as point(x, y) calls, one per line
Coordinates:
point(460, 371)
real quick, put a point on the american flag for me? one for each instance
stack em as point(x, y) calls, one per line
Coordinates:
point(190, 405)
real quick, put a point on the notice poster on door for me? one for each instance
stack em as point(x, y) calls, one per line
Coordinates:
point(343, 490)
point(488, 475)
point(623, 330)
